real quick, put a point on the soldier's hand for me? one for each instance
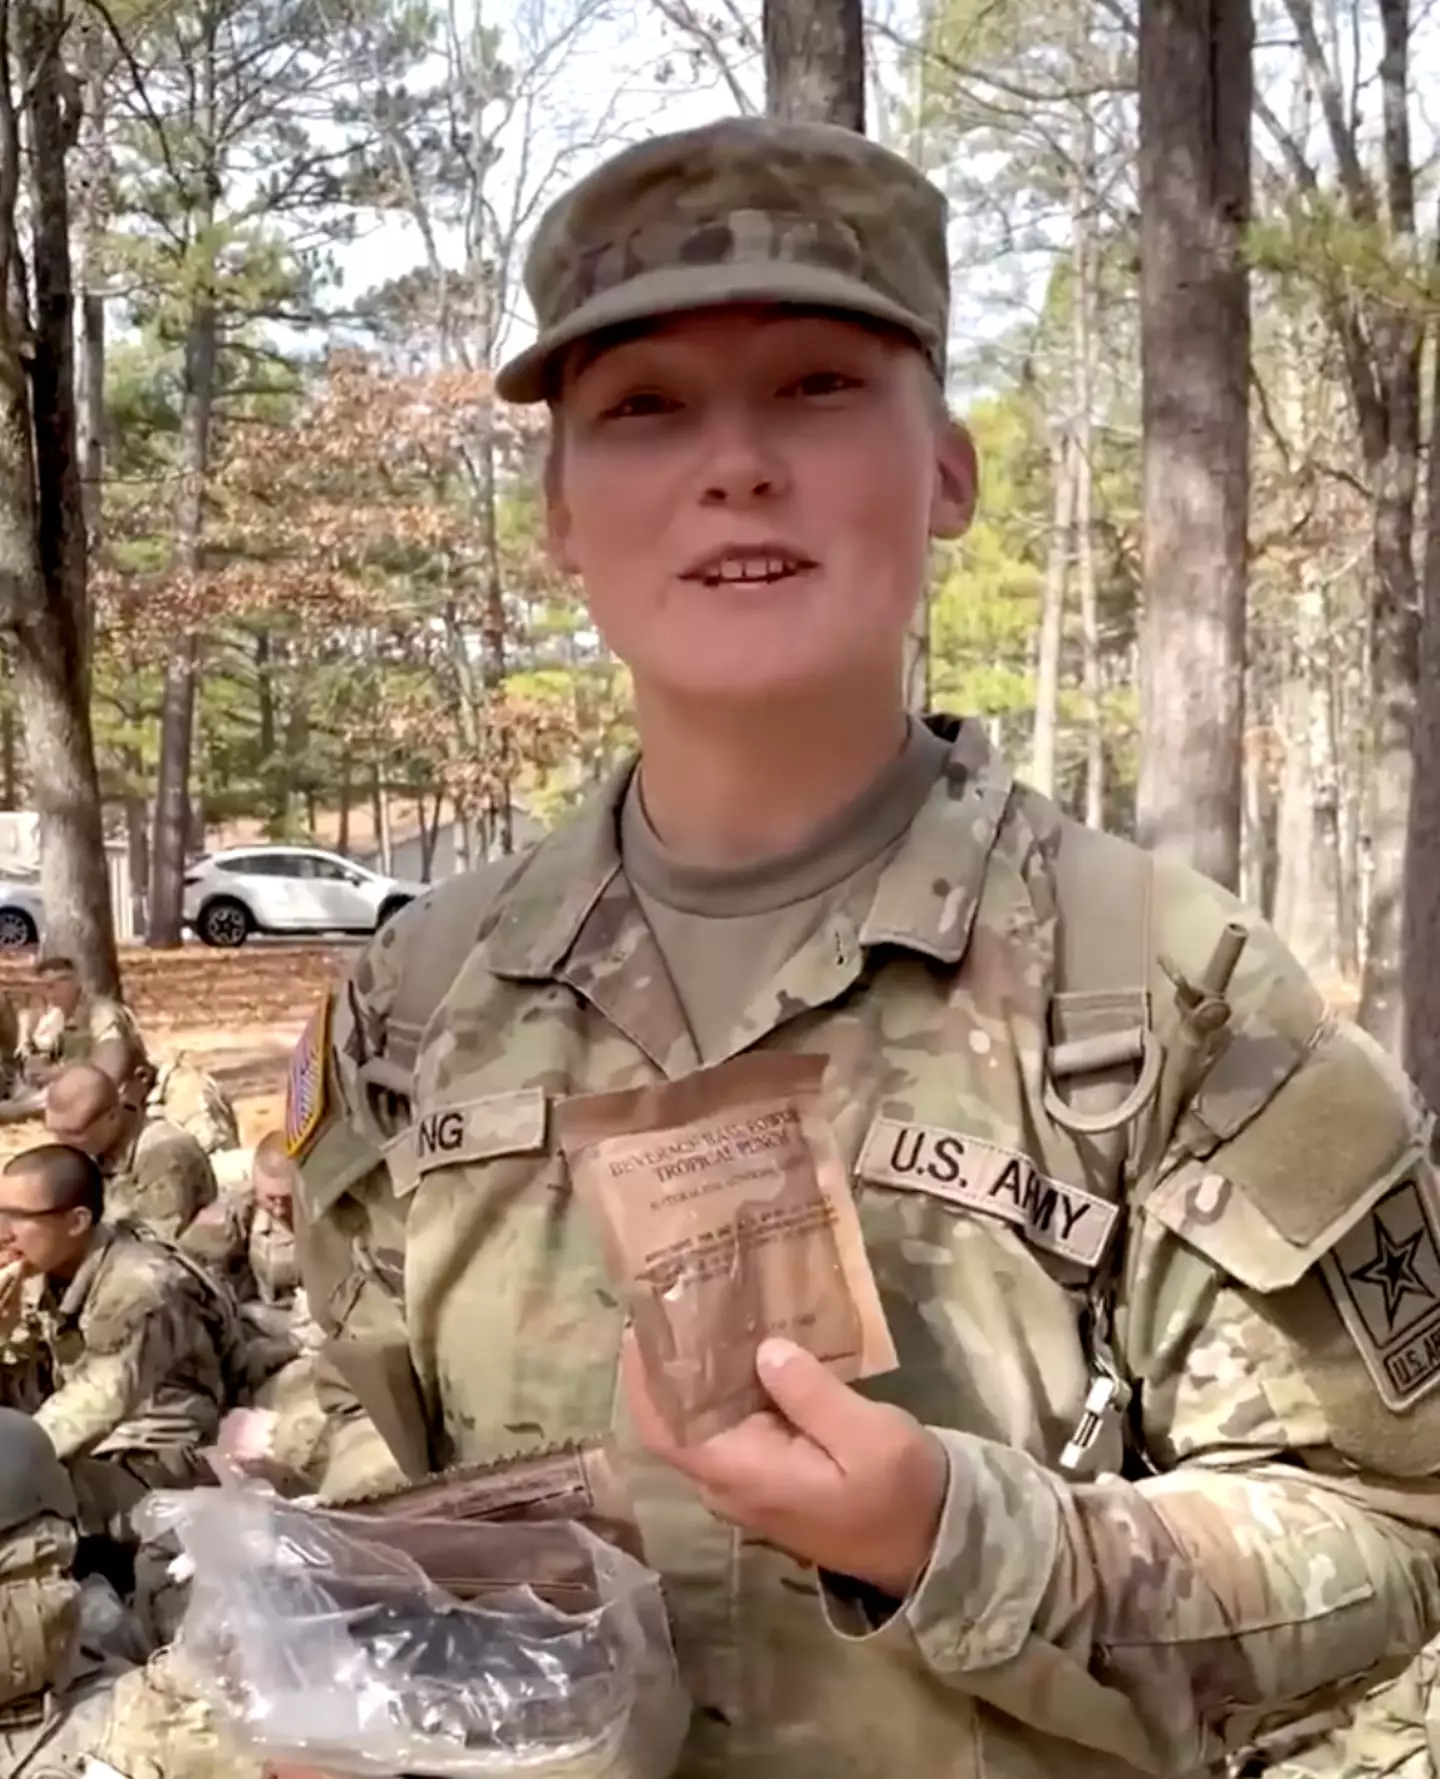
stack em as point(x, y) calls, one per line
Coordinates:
point(247, 1436)
point(852, 1486)
point(13, 1275)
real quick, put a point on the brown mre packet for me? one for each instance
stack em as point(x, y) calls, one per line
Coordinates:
point(727, 1217)
point(576, 1481)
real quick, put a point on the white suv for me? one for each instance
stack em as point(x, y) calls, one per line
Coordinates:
point(287, 889)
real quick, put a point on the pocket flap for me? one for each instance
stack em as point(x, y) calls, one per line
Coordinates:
point(1323, 1150)
point(1216, 1216)
point(472, 1131)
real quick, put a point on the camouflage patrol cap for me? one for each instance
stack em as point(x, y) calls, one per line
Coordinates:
point(746, 210)
point(32, 1479)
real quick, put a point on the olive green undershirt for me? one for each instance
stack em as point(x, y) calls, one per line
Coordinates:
point(726, 932)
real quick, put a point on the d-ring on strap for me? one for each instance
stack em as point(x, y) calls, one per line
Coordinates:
point(1103, 1053)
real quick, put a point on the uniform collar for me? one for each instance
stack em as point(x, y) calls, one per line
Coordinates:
point(72, 1300)
point(925, 900)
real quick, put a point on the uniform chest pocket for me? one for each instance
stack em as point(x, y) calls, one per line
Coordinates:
point(982, 1263)
point(512, 1323)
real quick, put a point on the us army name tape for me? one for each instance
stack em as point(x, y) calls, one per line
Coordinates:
point(966, 1170)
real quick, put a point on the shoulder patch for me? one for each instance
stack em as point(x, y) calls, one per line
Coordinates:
point(305, 1086)
point(1385, 1278)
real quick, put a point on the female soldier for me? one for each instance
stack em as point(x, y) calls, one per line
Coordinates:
point(1087, 1179)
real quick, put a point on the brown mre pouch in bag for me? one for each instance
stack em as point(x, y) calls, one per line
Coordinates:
point(727, 1217)
point(575, 1481)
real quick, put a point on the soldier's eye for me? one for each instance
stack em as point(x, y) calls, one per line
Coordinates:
point(817, 383)
point(640, 404)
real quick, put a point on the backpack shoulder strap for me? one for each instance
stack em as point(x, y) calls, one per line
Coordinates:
point(1102, 886)
point(433, 944)
point(1101, 1030)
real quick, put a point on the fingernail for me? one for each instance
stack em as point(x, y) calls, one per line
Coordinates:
point(775, 1354)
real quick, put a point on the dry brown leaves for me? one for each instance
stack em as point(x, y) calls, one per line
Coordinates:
point(237, 1013)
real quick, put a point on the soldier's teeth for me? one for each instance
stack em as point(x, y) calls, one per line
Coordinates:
point(751, 568)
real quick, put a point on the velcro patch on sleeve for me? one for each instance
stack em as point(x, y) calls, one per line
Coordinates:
point(305, 1087)
point(1384, 1275)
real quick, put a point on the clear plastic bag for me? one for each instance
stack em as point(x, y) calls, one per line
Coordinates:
point(374, 1646)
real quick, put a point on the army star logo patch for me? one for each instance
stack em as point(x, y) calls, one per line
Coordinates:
point(305, 1085)
point(1385, 1279)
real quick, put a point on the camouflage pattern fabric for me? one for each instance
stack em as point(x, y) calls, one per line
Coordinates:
point(748, 209)
point(134, 1351)
point(51, 1740)
point(301, 1437)
point(1393, 1734)
point(153, 1728)
point(1272, 1299)
point(39, 1608)
point(247, 1243)
point(51, 1037)
point(163, 1179)
point(192, 1100)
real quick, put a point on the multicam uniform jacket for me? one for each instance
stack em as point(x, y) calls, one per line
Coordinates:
point(130, 1355)
point(48, 1034)
point(1255, 1257)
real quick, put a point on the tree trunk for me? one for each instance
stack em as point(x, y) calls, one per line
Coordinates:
point(1422, 854)
point(1195, 97)
point(428, 824)
point(342, 839)
point(137, 840)
point(1084, 319)
point(177, 706)
point(42, 558)
point(815, 61)
point(1395, 640)
point(500, 790)
point(1307, 889)
point(1051, 639)
point(9, 752)
point(1255, 837)
point(462, 836)
point(380, 810)
point(92, 186)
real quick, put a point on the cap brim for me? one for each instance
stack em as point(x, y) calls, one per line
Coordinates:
point(676, 290)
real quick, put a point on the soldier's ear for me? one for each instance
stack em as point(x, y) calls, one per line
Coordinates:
point(957, 480)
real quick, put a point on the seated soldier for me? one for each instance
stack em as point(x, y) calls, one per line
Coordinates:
point(70, 1022)
point(194, 1100)
point(58, 1659)
point(122, 1350)
point(249, 1236)
point(154, 1173)
point(39, 1595)
point(9, 1046)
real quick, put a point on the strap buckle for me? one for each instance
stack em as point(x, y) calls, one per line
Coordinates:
point(1105, 1050)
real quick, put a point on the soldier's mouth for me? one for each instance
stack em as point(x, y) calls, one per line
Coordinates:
point(765, 566)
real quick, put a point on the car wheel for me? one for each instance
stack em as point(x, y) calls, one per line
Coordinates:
point(17, 930)
point(390, 909)
point(224, 923)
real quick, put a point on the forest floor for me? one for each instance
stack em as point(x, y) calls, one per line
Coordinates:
point(238, 1013)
